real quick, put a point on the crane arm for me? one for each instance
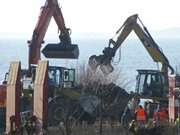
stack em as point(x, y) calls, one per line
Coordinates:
point(49, 10)
point(65, 32)
point(59, 17)
point(39, 33)
point(104, 60)
point(152, 48)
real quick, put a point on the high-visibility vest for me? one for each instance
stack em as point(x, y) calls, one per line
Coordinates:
point(140, 114)
point(162, 116)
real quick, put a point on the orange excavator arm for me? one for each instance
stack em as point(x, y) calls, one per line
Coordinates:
point(49, 10)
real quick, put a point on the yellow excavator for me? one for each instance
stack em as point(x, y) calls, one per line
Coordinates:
point(151, 85)
point(145, 78)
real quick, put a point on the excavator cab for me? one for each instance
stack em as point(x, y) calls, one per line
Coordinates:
point(151, 83)
point(61, 77)
point(58, 78)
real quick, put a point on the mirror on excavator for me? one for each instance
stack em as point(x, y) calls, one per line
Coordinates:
point(151, 83)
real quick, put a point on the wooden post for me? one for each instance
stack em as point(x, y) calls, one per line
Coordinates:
point(13, 97)
point(172, 107)
point(40, 95)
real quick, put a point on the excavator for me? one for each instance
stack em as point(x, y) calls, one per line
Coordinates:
point(58, 77)
point(104, 60)
point(151, 85)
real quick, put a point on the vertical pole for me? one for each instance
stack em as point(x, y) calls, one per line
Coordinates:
point(40, 96)
point(178, 115)
point(101, 119)
point(171, 98)
point(13, 98)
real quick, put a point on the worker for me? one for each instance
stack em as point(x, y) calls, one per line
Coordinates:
point(140, 115)
point(156, 113)
point(163, 114)
point(126, 116)
point(156, 116)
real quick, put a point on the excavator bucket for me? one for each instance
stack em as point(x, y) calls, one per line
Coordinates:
point(106, 69)
point(61, 51)
point(95, 61)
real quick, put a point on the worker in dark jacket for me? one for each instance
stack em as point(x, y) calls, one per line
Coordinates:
point(126, 117)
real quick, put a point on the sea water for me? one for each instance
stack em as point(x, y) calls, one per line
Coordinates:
point(132, 54)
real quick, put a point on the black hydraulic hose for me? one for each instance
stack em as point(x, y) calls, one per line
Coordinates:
point(172, 69)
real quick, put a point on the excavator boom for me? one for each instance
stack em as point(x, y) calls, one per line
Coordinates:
point(129, 25)
point(151, 83)
point(64, 49)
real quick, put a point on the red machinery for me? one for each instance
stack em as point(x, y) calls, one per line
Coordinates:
point(58, 77)
point(65, 49)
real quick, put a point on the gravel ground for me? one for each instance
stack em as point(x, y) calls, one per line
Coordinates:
point(107, 129)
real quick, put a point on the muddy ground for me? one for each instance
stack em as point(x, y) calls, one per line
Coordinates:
point(108, 129)
point(91, 130)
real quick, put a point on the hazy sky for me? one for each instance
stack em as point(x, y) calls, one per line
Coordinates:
point(20, 16)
